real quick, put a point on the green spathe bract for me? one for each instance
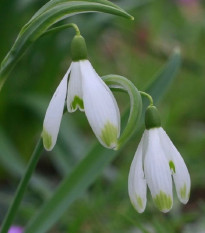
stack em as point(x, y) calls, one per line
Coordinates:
point(163, 201)
point(109, 135)
point(47, 139)
point(77, 101)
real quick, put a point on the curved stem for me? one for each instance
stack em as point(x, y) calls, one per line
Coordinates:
point(22, 187)
point(148, 96)
point(65, 26)
point(121, 83)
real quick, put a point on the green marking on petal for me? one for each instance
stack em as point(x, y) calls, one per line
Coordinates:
point(163, 201)
point(140, 202)
point(172, 166)
point(77, 101)
point(183, 192)
point(109, 134)
point(47, 139)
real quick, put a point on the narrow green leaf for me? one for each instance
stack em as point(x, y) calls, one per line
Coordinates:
point(14, 165)
point(86, 172)
point(53, 3)
point(165, 76)
point(49, 14)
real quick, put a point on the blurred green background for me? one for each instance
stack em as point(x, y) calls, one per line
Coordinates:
point(136, 50)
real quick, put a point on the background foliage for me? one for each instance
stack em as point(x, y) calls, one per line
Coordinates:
point(136, 50)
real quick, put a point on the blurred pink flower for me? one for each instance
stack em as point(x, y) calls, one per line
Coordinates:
point(15, 229)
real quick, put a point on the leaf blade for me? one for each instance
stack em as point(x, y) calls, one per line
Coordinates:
point(15, 166)
point(48, 16)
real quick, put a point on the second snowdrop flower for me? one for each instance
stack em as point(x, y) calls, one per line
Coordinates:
point(155, 162)
point(87, 91)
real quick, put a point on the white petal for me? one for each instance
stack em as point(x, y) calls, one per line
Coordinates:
point(54, 114)
point(75, 96)
point(157, 171)
point(137, 187)
point(180, 172)
point(100, 106)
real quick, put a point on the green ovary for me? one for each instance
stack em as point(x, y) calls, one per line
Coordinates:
point(163, 201)
point(109, 134)
point(47, 139)
point(183, 192)
point(77, 101)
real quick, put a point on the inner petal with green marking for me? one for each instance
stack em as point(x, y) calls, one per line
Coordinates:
point(163, 201)
point(109, 134)
point(77, 102)
point(47, 139)
point(172, 166)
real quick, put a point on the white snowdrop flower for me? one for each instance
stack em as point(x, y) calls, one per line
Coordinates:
point(155, 162)
point(87, 91)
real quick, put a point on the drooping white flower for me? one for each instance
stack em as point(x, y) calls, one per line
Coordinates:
point(155, 162)
point(137, 186)
point(86, 91)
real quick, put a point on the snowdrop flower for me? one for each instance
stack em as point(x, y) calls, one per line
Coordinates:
point(155, 162)
point(82, 88)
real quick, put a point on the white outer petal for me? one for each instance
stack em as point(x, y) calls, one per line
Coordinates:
point(156, 167)
point(54, 114)
point(99, 103)
point(181, 175)
point(74, 86)
point(137, 187)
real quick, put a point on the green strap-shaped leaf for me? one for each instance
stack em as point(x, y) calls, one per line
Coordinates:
point(48, 15)
point(15, 166)
point(119, 82)
point(53, 3)
point(165, 76)
point(86, 172)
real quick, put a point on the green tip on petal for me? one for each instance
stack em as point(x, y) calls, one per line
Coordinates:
point(140, 202)
point(152, 118)
point(183, 192)
point(163, 202)
point(172, 166)
point(78, 48)
point(77, 101)
point(47, 139)
point(109, 135)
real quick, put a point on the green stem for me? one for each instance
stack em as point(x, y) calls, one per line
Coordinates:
point(148, 96)
point(22, 187)
point(123, 84)
point(56, 29)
